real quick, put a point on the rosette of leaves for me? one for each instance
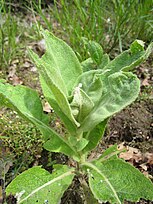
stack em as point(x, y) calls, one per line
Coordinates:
point(84, 95)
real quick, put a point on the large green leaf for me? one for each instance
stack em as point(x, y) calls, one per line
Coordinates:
point(61, 57)
point(114, 181)
point(36, 185)
point(68, 120)
point(121, 90)
point(71, 127)
point(58, 68)
point(55, 86)
point(24, 100)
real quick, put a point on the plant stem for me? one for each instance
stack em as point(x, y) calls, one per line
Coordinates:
point(83, 158)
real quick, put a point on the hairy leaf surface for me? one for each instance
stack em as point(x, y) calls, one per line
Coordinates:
point(91, 84)
point(110, 152)
point(54, 86)
point(55, 142)
point(36, 185)
point(69, 124)
point(121, 90)
point(24, 100)
point(105, 60)
point(96, 51)
point(128, 59)
point(58, 68)
point(61, 58)
point(114, 180)
point(87, 65)
point(81, 104)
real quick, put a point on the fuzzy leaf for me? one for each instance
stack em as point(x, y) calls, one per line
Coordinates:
point(105, 60)
point(61, 58)
point(68, 121)
point(24, 100)
point(55, 86)
point(95, 50)
point(114, 181)
point(128, 59)
point(58, 68)
point(36, 185)
point(69, 124)
point(121, 90)
point(110, 152)
point(91, 84)
point(72, 140)
point(137, 46)
point(81, 144)
point(87, 65)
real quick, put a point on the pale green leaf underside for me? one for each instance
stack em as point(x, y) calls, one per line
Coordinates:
point(36, 185)
point(114, 180)
point(105, 60)
point(87, 65)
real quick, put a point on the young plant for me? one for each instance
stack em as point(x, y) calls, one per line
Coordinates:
point(84, 101)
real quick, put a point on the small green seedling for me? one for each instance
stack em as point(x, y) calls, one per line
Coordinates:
point(84, 95)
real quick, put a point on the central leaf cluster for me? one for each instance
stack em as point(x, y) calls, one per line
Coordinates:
point(83, 98)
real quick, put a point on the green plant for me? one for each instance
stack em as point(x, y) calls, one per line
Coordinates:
point(84, 101)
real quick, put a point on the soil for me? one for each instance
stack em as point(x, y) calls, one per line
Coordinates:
point(133, 126)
